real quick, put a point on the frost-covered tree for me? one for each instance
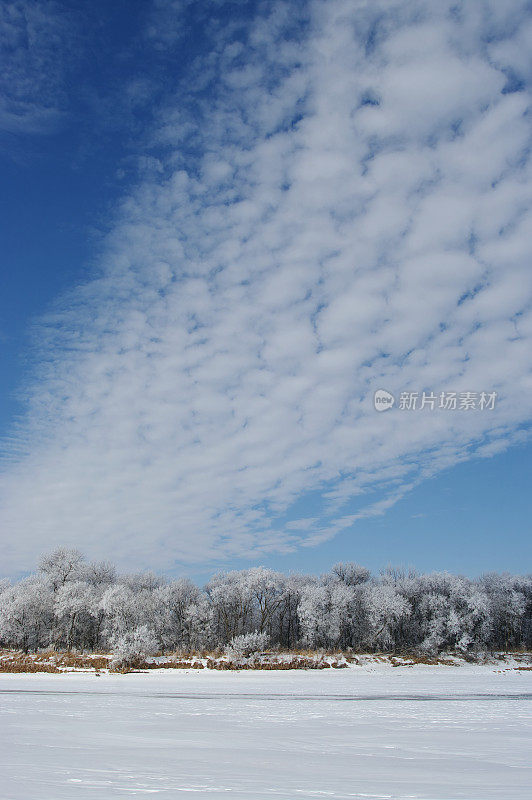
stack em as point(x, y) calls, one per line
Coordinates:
point(351, 574)
point(127, 607)
point(232, 601)
point(62, 565)
point(201, 622)
point(143, 581)
point(267, 590)
point(119, 604)
point(453, 613)
point(287, 628)
point(509, 599)
point(26, 614)
point(386, 610)
point(174, 624)
point(99, 573)
point(74, 604)
point(75, 607)
point(329, 613)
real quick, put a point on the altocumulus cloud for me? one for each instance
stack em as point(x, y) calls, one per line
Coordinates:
point(36, 37)
point(332, 205)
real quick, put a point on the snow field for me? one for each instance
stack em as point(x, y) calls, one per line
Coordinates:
point(429, 733)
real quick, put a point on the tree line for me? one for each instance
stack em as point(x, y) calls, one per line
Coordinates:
point(71, 604)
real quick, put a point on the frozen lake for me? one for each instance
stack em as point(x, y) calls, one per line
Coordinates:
point(430, 733)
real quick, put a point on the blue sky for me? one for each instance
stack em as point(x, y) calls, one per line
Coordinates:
point(225, 225)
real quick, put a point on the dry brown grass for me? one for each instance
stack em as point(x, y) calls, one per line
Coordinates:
point(15, 661)
point(26, 665)
point(175, 665)
point(50, 661)
point(77, 661)
point(54, 662)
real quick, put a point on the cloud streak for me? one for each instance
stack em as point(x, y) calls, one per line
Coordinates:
point(331, 205)
point(35, 38)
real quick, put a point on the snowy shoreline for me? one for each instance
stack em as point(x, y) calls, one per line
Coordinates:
point(495, 673)
point(14, 662)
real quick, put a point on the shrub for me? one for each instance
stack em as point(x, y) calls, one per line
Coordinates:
point(246, 646)
point(131, 648)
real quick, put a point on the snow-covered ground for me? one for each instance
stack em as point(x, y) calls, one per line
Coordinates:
point(374, 731)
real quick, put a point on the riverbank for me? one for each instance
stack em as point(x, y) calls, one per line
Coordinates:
point(51, 662)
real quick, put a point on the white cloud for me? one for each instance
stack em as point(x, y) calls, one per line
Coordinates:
point(254, 295)
point(35, 37)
